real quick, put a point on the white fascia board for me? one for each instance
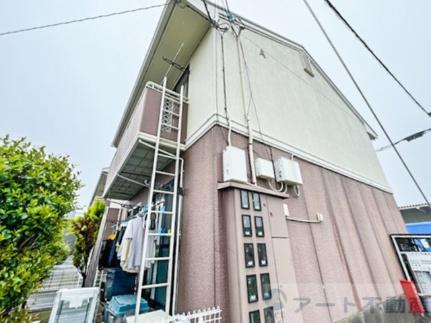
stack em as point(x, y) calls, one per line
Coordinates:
point(218, 119)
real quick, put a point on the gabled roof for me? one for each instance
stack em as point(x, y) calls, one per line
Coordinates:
point(180, 23)
point(186, 22)
point(100, 186)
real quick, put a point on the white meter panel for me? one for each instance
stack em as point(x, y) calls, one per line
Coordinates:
point(287, 171)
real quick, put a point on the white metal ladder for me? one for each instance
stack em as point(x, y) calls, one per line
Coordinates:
point(165, 108)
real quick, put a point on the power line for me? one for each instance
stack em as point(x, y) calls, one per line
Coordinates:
point(412, 137)
point(5, 33)
point(366, 101)
point(212, 22)
point(385, 67)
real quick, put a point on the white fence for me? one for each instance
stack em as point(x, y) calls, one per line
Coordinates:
point(209, 315)
point(200, 316)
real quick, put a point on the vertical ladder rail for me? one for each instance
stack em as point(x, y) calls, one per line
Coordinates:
point(172, 234)
point(150, 206)
point(174, 205)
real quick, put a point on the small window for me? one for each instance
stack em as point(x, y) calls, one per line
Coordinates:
point(261, 253)
point(249, 255)
point(266, 286)
point(258, 221)
point(244, 200)
point(256, 201)
point(254, 316)
point(268, 313)
point(252, 288)
point(246, 226)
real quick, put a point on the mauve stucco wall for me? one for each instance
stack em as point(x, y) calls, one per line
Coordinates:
point(347, 255)
point(202, 251)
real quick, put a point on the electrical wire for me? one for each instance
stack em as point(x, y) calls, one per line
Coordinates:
point(378, 59)
point(68, 22)
point(412, 137)
point(247, 74)
point(252, 101)
point(221, 30)
point(212, 22)
point(274, 186)
point(358, 88)
point(224, 91)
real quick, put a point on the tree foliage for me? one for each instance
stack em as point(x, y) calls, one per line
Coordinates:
point(36, 191)
point(85, 228)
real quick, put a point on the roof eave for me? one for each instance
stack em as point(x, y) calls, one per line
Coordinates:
point(137, 87)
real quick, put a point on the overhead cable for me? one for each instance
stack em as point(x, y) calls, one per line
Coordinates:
point(221, 30)
point(366, 101)
point(68, 22)
point(379, 60)
point(212, 22)
point(409, 138)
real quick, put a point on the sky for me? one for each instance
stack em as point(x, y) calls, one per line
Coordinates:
point(66, 87)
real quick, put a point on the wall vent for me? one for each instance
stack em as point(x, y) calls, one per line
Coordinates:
point(306, 63)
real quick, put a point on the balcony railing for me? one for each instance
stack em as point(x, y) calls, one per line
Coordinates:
point(143, 125)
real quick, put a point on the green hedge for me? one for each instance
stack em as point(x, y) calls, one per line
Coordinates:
point(85, 228)
point(36, 191)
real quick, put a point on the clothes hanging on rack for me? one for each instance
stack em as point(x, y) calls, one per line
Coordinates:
point(132, 244)
point(108, 257)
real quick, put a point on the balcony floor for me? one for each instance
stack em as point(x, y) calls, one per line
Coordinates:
point(136, 169)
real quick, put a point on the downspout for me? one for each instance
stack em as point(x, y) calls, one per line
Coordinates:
point(246, 114)
point(177, 241)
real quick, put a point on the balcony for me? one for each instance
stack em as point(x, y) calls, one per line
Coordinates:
point(132, 163)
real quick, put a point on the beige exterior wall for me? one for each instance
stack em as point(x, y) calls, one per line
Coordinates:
point(298, 113)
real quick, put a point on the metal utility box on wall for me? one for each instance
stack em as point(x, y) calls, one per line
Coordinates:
point(234, 165)
point(287, 171)
point(264, 168)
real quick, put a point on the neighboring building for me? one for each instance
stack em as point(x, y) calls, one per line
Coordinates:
point(317, 252)
point(417, 218)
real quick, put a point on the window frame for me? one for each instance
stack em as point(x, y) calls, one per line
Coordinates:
point(269, 309)
point(262, 286)
point(254, 277)
point(253, 313)
point(243, 226)
point(184, 79)
point(256, 227)
point(260, 254)
point(246, 261)
point(245, 204)
point(253, 195)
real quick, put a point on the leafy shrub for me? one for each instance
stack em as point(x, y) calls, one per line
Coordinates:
point(85, 228)
point(36, 191)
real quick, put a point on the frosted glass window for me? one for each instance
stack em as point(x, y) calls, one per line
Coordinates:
point(249, 255)
point(258, 221)
point(252, 288)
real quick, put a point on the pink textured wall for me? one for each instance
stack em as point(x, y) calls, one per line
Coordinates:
point(348, 257)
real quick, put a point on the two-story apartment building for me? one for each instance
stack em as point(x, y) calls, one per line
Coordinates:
point(306, 243)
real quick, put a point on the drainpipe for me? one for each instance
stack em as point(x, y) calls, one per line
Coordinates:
point(177, 242)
